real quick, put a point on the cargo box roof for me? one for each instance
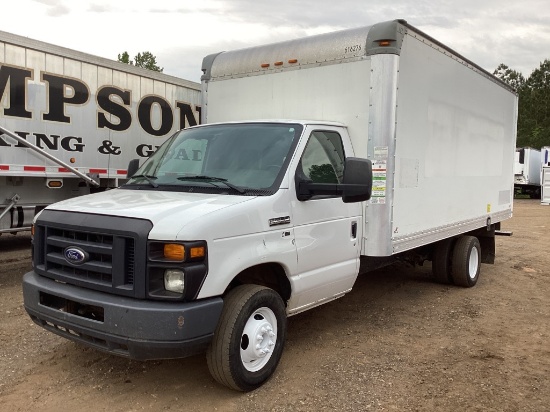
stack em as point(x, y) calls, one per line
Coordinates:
point(350, 44)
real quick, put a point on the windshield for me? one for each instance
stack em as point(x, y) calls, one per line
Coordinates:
point(236, 158)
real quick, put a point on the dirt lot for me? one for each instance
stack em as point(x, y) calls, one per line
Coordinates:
point(398, 342)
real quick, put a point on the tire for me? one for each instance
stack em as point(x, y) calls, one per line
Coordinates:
point(249, 339)
point(442, 261)
point(466, 261)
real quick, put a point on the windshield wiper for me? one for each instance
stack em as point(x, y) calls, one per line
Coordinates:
point(214, 179)
point(148, 178)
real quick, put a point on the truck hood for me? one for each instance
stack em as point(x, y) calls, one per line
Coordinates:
point(154, 206)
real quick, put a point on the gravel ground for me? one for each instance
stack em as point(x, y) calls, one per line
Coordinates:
point(397, 342)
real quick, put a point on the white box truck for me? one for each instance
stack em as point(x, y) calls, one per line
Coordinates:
point(527, 172)
point(70, 123)
point(323, 157)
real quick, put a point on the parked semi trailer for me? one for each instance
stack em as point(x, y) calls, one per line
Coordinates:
point(70, 122)
point(527, 172)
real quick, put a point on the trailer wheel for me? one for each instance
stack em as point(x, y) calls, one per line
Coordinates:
point(249, 339)
point(442, 261)
point(466, 261)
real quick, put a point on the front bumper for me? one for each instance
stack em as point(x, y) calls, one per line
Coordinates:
point(138, 329)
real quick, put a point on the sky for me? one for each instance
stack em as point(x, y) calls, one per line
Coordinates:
point(181, 32)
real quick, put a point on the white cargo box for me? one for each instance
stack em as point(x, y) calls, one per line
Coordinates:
point(439, 129)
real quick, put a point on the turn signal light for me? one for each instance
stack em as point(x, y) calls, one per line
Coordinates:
point(174, 251)
point(384, 43)
point(197, 252)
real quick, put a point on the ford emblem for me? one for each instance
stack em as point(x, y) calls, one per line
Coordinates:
point(75, 255)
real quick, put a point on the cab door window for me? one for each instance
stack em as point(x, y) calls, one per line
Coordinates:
point(323, 158)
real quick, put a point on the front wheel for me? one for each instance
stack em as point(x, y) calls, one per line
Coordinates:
point(466, 261)
point(249, 339)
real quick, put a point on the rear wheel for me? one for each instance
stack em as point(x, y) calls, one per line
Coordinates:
point(442, 261)
point(249, 339)
point(466, 261)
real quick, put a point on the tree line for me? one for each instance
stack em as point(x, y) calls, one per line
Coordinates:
point(145, 60)
point(534, 103)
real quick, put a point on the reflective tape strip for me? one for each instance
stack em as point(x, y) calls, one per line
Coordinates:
point(55, 169)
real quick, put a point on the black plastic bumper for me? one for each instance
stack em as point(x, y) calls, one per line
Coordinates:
point(122, 326)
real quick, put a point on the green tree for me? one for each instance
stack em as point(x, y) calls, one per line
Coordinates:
point(144, 60)
point(534, 104)
point(125, 58)
point(537, 96)
point(509, 76)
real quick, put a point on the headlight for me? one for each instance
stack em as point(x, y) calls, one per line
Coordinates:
point(174, 280)
point(175, 269)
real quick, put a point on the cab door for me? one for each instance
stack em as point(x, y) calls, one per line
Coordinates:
point(327, 230)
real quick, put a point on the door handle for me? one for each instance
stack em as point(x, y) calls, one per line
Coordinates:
point(353, 230)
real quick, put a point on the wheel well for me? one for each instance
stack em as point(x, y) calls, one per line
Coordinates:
point(271, 275)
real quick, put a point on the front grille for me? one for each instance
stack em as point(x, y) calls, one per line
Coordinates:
point(100, 248)
point(109, 246)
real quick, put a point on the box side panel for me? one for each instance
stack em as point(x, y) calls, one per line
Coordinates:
point(455, 145)
point(334, 92)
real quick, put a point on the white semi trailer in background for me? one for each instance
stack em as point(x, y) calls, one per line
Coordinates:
point(527, 172)
point(70, 123)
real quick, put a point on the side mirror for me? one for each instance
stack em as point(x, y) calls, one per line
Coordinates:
point(357, 186)
point(133, 166)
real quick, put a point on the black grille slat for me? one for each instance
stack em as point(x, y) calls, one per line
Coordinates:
point(94, 266)
point(90, 246)
point(62, 272)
